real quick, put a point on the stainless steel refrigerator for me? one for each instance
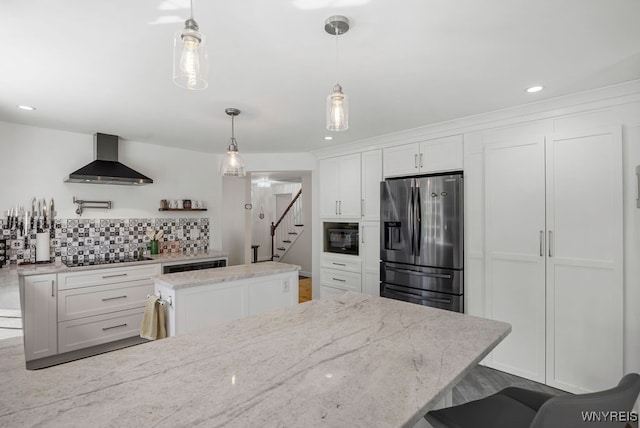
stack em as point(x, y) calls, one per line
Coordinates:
point(421, 240)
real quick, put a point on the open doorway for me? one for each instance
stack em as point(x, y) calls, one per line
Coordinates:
point(283, 200)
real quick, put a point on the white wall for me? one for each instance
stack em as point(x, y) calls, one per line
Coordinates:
point(34, 162)
point(234, 217)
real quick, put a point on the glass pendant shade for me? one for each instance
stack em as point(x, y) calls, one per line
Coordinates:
point(233, 165)
point(337, 110)
point(190, 62)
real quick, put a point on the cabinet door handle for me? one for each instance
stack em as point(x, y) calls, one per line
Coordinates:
point(362, 234)
point(114, 298)
point(336, 207)
point(338, 264)
point(113, 276)
point(115, 326)
point(339, 280)
point(339, 207)
point(362, 208)
point(415, 161)
point(421, 165)
point(53, 286)
point(550, 244)
point(542, 243)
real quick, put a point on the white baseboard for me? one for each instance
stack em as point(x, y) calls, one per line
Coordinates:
point(307, 274)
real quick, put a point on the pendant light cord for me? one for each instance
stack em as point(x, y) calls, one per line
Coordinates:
point(337, 54)
point(192, 9)
point(233, 134)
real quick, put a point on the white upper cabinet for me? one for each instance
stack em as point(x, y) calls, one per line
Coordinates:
point(442, 154)
point(339, 181)
point(402, 160)
point(371, 178)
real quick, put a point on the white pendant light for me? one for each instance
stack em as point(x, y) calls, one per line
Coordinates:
point(232, 165)
point(190, 65)
point(337, 101)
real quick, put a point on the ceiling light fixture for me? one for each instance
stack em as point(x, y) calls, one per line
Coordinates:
point(190, 56)
point(328, 137)
point(232, 165)
point(264, 182)
point(337, 101)
point(26, 108)
point(535, 89)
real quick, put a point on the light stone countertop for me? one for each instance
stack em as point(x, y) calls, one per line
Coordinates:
point(58, 267)
point(348, 360)
point(180, 280)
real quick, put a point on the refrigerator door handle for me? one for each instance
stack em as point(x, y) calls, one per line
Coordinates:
point(413, 272)
point(410, 217)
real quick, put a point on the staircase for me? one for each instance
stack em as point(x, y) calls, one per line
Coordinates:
point(287, 229)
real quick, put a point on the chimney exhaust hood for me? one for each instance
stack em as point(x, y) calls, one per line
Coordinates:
point(106, 169)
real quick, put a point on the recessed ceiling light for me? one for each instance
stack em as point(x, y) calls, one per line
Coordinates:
point(536, 88)
point(27, 108)
point(328, 137)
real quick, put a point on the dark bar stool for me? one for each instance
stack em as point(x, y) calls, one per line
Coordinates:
point(516, 407)
point(254, 248)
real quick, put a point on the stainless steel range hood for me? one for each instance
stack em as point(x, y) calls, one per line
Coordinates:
point(106, 169)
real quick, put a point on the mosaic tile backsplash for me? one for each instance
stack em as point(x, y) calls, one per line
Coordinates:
point(98, 239)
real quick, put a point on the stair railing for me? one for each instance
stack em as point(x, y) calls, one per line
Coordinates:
point(289, 218)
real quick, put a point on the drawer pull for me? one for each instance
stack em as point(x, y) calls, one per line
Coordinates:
point(115, 326)
point(113, 276)
point(338, 264)
point(338, 279)
point(114, 298)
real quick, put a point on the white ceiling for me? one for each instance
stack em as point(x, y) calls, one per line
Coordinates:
point(105, 66)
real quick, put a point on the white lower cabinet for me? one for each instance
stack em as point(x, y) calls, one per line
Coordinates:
point(553, 266)
point(39, 316)
point(85, 332)
point(326, 291)
point(78, 309)
point(101, 306)
point(197, 307)
point(340, 273)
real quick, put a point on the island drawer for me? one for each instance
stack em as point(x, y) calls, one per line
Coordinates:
point(69, 280)
point(346, 263)
point(92, 331)
point(89, 301)
point(347, 281)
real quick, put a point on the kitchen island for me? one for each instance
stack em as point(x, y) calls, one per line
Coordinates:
point(347, 360)
point(201, 298)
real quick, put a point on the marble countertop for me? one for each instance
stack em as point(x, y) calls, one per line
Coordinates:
point(179, 280)
point(58, 267)
point(348, 360)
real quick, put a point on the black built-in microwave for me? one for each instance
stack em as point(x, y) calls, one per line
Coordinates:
point(342, 238)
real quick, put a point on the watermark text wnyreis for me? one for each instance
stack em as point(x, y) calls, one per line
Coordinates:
point(609, 416)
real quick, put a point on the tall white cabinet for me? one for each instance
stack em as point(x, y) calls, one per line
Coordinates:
point(553, 256)
point(584, 260)
point(515, 261)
